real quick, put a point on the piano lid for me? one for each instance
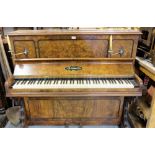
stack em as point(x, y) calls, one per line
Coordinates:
point(64, 32)
point(68, 68)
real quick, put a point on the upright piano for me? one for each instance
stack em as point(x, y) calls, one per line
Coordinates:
point(73, 77)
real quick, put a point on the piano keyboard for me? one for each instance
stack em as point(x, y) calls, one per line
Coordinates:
point(73, 83)
point(146, 64)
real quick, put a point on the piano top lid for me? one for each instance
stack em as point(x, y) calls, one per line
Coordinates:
point(68, 32)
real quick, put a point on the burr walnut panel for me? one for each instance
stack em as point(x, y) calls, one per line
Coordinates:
point(126, 45)
point(19, 47)
point(73, 48)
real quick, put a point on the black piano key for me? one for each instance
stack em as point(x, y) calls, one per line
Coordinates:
point(18, 82)
point(49, 81)
point(54, 81)
point(119, 81)
point(130, 81)
point(25, 81)
point(115, 81)
point(41, 81)
point(29, 82)
point(22, 81)
point(44, 81)
point(32, 81)
point(57, 81)
point(38, 81)
point(126, 81)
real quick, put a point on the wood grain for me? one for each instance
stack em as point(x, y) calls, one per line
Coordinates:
point(73, 109)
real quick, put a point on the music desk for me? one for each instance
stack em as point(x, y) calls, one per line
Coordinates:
point(148, 69)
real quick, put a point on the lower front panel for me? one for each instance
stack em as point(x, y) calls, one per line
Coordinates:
point(74, 110)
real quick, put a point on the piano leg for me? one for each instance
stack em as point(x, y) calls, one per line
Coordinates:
point(22, 113)
point(125, 122)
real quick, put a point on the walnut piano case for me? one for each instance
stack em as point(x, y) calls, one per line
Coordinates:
point(73, 55)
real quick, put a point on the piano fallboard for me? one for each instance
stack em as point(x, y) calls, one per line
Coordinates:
point(73, 68)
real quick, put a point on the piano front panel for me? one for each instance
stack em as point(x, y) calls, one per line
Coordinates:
point(73, 48)
point(72, 45)
point(61, 110)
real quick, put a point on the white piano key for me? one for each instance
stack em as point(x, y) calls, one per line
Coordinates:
point(73, 84)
